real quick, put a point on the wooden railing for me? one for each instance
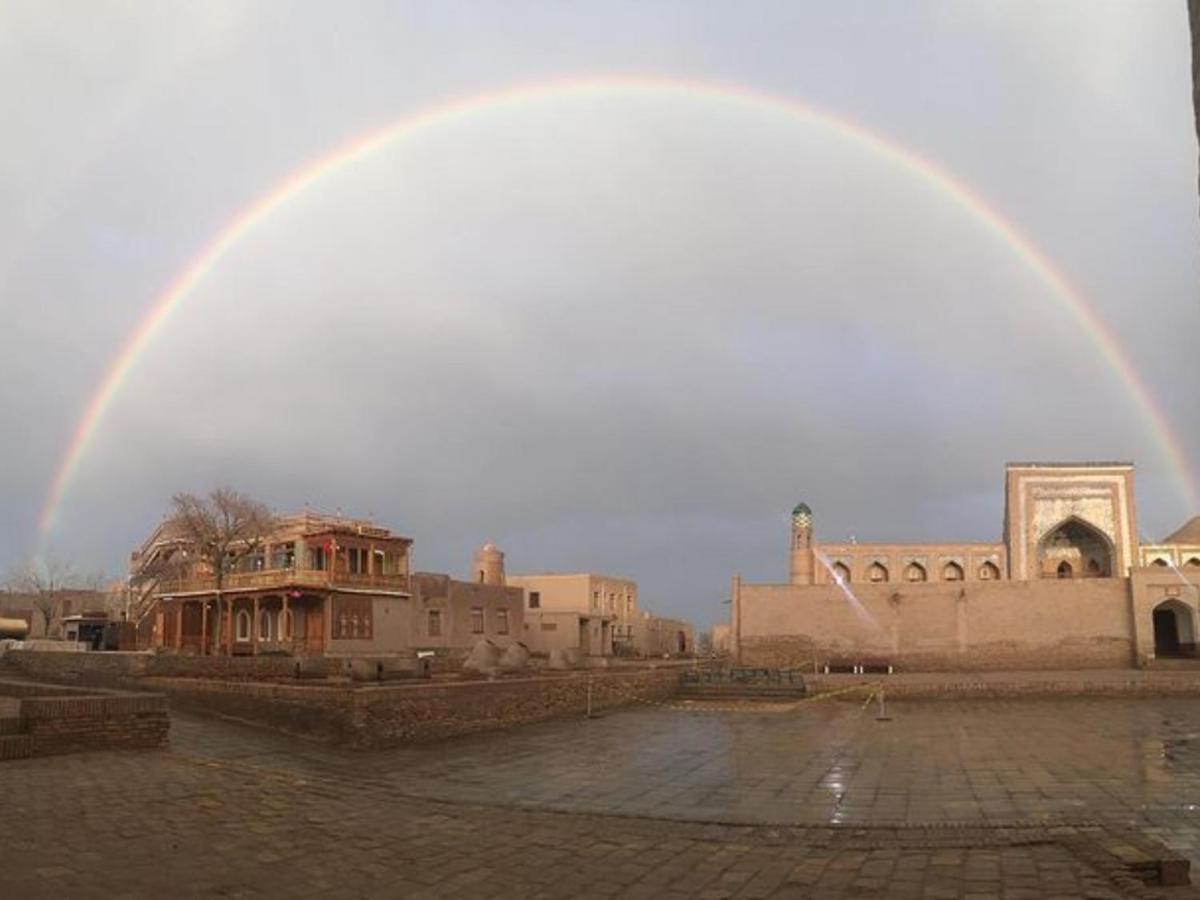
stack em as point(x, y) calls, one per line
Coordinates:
point(268, 579)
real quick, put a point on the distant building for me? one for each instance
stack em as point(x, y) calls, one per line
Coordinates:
point(61, 605)
point(1069, 584)
point(577, 611)
point(597, 615)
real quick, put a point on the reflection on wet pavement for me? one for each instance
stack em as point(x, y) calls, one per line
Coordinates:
point(1130, 762)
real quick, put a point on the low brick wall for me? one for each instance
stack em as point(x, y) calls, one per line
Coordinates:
point(373, 716)
point(67, 720)
point(1014, 685)
point(118, 668)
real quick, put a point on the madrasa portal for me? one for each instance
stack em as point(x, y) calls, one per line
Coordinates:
point(1069, 585)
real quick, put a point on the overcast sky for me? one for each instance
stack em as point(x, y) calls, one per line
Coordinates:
point(623, 333)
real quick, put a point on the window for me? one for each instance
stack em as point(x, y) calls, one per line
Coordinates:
point(595, 600)
point(265, 622)
point(481, 576)
point(549, 626)
point(283, 556)
point(316, 558)
point(877, 573)
point(476, 620)
point(435, 623)
point(502, 621)
point(1160, 562)
point(988, 572)
point(1064, 569)
point(243, 625)
point(357, 560)
point(1193, 563)
point(380, 563)
point(914, 572)
point(952, 571)
point(841, 573)
point(535, 599)
point(285, 625)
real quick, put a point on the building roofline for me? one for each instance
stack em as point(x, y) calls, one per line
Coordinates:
point(1058, 464)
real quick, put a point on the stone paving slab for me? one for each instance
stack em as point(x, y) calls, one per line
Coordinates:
point(594, 808)
point(158, 823)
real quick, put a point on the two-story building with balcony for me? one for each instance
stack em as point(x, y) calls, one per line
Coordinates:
point(317, 585)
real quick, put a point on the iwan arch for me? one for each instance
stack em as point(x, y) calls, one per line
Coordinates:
point(1069, 585)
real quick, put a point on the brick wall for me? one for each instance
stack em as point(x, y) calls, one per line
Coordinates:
point(66, 720)
point(1047, 624)
point(388, 715)
point(120, 668)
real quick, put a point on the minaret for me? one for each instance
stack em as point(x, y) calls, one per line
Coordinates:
point(487, 565)
point(802, 552)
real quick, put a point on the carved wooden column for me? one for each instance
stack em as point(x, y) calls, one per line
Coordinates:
point(254, 626)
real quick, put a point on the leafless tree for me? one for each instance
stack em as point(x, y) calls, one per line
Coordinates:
point(221, 528)
point(44, 578)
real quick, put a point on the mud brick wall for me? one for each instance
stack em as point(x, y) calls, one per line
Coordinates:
point(385, 717)
point(1048, 624)
point(66, 720)
point(389, 715)
point(70, 724)
point(119, 668)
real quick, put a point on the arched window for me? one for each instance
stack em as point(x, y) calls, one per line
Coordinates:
point(285, 625)
point(841, 573)
point(1160, 562)
point(989, 572)
point(952, 571)
point(265, 621)
point(1064, 570)
point(1093, 569)
point(1193, 563)
point(914, 572)
point(877, 572)
point(243, 625)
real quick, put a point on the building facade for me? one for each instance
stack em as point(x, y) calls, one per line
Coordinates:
point(1068, 584)
point(320, 586)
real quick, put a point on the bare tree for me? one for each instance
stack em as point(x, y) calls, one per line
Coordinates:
point(44, 579)
point(222, 529)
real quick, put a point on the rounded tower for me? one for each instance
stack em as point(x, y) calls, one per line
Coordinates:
point(487, 565)
point(802, 552)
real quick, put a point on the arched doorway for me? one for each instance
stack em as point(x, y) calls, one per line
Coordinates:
point(1075, 549)
point(1174, 630)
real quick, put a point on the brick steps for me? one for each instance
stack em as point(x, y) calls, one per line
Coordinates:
point(15, 746)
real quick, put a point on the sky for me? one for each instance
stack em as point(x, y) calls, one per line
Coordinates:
point(621, 330)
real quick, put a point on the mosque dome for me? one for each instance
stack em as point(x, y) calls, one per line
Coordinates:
point(802, 514)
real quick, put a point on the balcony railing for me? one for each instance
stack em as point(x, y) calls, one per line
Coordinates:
point(281, 579)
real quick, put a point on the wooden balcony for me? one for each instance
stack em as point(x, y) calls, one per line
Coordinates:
point(281, 580)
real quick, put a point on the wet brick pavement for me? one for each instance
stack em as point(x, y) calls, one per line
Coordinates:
point(949, 799)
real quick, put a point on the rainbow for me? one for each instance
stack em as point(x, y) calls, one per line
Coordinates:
point(317, 171)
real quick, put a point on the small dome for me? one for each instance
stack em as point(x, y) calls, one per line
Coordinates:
point(489, 546)
point(802, 510)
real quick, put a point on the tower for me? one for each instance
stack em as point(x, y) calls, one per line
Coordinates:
point(487, 565)
point(802, 553)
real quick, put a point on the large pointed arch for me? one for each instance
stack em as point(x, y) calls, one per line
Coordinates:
point(1084, 548)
